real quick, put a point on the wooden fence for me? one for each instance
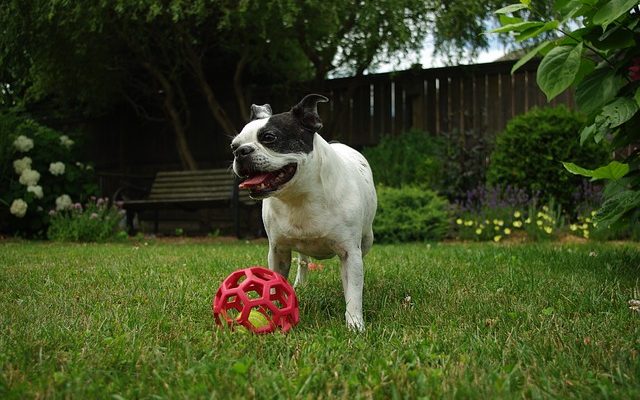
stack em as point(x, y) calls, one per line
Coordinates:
point(481, 97)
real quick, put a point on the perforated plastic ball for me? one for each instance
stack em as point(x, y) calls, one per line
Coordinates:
point(252, 290)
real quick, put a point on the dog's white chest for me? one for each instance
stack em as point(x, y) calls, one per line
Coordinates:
point(301, 229)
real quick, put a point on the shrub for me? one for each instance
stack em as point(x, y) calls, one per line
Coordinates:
point(40, 171)
point(408, 159)
point(97, 221)
point(450, 164)
point(409, 214)
point(464, 158)
point(528, 154)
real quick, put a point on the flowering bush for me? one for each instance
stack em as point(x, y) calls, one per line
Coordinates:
point(39, 170)
point(542, 224)
point(95, 222)
point(495, 213)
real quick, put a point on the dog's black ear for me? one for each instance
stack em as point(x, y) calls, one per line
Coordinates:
point(259, 112)
point(307, 111)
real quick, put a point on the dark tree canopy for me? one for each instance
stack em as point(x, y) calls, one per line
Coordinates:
point(83, 58)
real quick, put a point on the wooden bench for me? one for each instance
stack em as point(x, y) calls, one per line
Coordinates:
point(191, 190)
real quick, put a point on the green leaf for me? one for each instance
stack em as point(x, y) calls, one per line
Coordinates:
point(616, 207)
point(511, 8)
point(611, 10)
point(587, 133)
point(597, 89)
point(535, 31)
point(558, 69)
point(508, 20)
point(637, 96)
point(619, 111)
point(517, 27)
point(613, 171)
point(530, 55)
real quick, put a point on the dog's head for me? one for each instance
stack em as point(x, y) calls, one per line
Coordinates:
point(271, 148)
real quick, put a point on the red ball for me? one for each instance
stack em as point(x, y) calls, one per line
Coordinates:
point(258, 289)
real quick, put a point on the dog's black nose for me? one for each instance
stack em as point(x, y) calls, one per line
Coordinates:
point(244, 151)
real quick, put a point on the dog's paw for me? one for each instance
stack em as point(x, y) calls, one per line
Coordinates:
point(354, 323)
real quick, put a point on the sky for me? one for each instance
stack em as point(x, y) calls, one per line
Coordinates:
point(427, 59)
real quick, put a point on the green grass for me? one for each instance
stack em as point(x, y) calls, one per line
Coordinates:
point(484, 321)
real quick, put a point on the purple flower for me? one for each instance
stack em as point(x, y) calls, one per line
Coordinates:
point(93, 216)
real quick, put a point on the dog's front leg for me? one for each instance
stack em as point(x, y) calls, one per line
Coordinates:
point(280, 260)
point(353, 282)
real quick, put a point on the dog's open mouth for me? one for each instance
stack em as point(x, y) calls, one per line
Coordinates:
point(263, 183)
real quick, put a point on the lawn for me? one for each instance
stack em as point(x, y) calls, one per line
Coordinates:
point(451, 320)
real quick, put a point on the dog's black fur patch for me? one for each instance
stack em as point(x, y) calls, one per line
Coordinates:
point(293, 131)
point(289, 135)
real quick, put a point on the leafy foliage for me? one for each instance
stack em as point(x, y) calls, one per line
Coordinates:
point(599, 55)
point(412, 158)
point(410, 214)
point(451, 164)
point(529, 152)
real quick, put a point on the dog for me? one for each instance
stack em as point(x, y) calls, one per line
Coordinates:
point(319, 198)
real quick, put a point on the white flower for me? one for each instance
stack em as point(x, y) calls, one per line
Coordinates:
point(29, 177)
point(56, 168)
point(23, 143)
point(36, 190)
point(63, 202)
point(65, 141)
point(19, 208)
point(22, 164)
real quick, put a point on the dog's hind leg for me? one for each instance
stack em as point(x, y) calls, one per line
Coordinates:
point(367, 242)
point(303, 270)
point(280, 260)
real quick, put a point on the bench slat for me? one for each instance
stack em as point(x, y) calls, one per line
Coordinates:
point(218, 172)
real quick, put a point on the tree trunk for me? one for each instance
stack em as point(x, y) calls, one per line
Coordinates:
point(186, 158)
point(238, 87)
point(214, 105)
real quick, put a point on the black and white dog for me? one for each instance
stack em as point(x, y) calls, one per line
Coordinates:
point(319, 198)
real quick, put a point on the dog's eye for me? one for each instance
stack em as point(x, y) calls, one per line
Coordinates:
point(268, 137)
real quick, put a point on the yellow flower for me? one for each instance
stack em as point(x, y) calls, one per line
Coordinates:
point(527, 221)
point(478, 231)
point(593, 213)
point(548, 229)
point(500, 222)
point(497, 238)
point(585, 226)
point(468, 223)
point(545, 208)
point(459, 221)
point(495, 222)
point(507, 231)
point(517, 224)
point(585, 234)
point(496, 228)
point(573, 227)
point(486, 222)
point(539, 222)
point(588, 220)
point(516, 214)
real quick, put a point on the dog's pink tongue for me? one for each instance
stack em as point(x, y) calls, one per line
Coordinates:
point(254, 181)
